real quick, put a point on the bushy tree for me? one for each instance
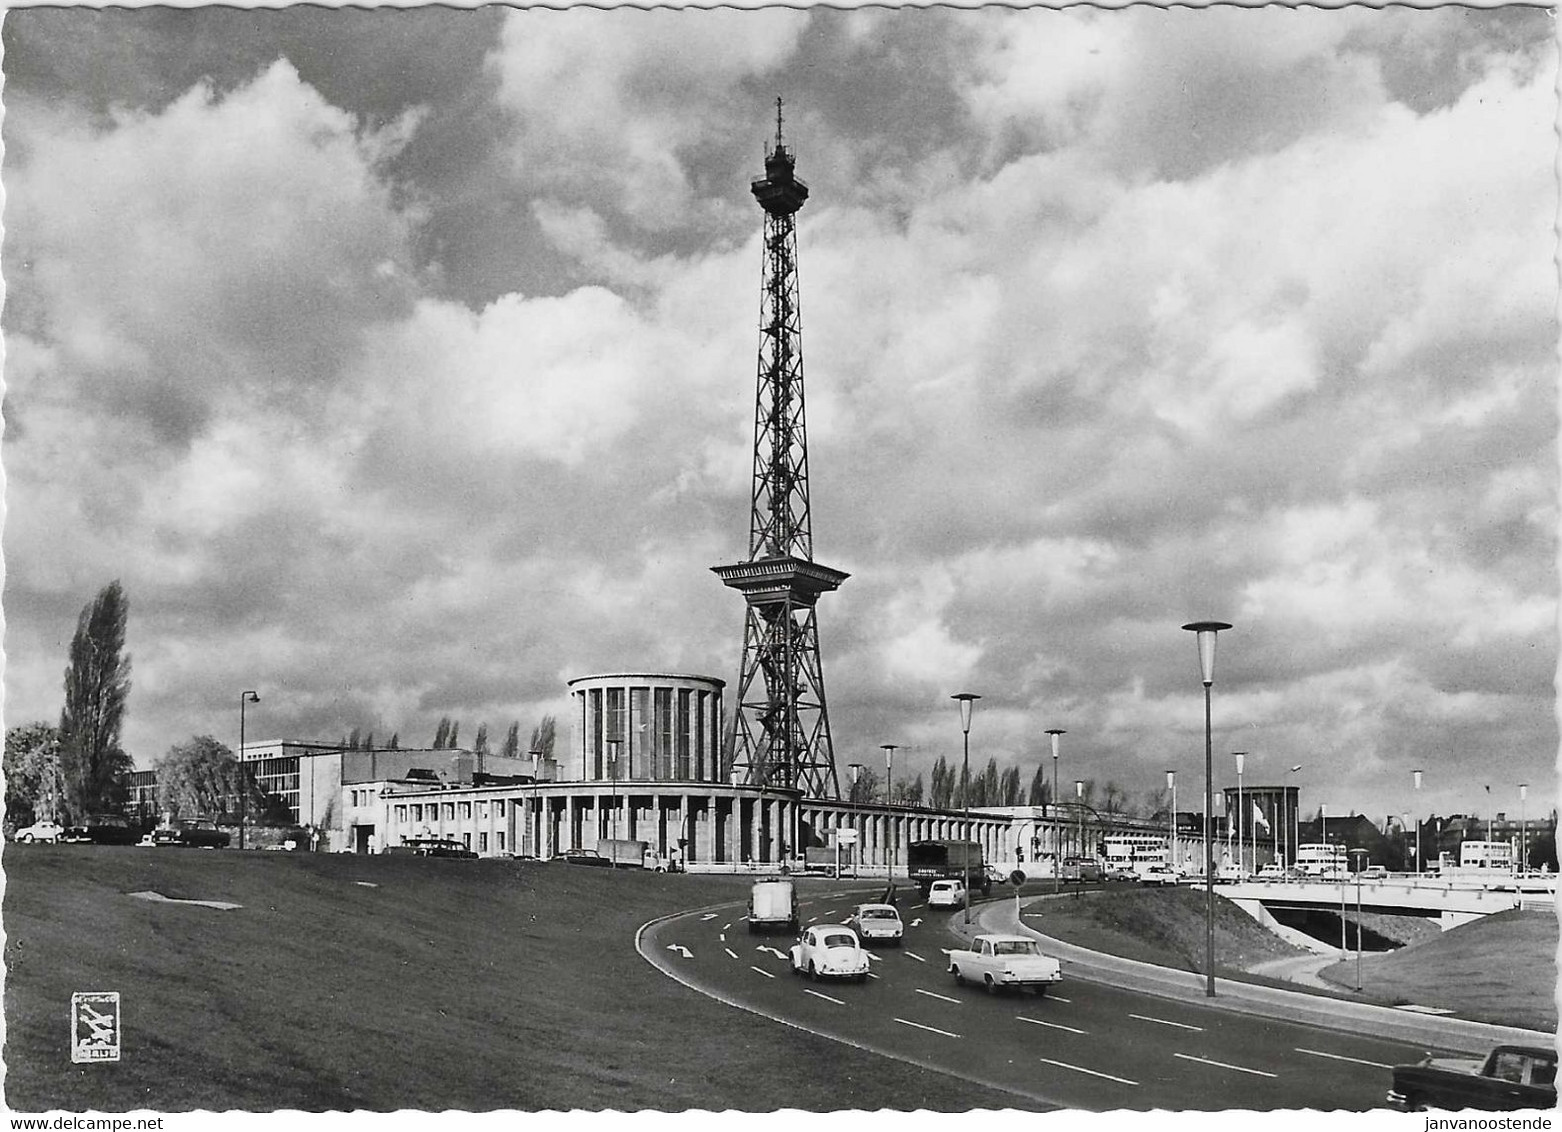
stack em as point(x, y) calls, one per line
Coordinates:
point(480, 743)
point(395, 742)
point(1040, 789)
point(512, 741)
point(941, 789)
point(865, 789)
point(32, 774)
point(201, 778)
point(1009, 791)
point(453, 741)
point(442, 733)
point(95, 771)
point(911, 792)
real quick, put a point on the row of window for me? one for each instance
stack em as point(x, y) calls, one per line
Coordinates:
point(429, 811)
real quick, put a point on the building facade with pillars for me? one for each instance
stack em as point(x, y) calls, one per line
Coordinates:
point(667, 726)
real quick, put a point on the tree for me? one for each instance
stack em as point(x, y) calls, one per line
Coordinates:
point(988, 787)
point(942, 786)
point(1040, 789)
point(368, 741)
point(201, 778)
point(866, 788)
point(395, 742)
point(512, 741)
point(1157, 802)
point(543, 735)
point(1114, 798)
point(442, 733)
point(911, 793)
point(480, 744)
point(1009, 787)
point(95, 771)
point(354, 740)
point(32, 774)
point(454, 739)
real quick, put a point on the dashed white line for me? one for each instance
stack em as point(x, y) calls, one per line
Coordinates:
point(1059, 998)
point(1224, 1065)
point(1342, 1057)
point(827, 998)
point(724, 927)
point(1082, 1069)
point(1164, 1022)
point(723, 937)
point(930, 994)
point(930, 1029)
point(871, 975)
point(762, 971)
point(708, 916)
point(1053, 1025)
point(811, 919)
point(914, 955)
point(730, 952)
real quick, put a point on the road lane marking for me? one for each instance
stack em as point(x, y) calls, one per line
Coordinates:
point(1082, 1069)
point(1342, 1057)
point(1059, 998)
point(872, 958)
point(779, 954)
point(723, 937)
point(724, 927)
point(1224, 1065)
point(811, 919)
point(826, 997)
point(871, 975)
point(730, 952)
point(930, 994)
point(914, 955)
point(762, 971)
point(930, 1029)
point(708, 916)
point(1054, 1025)
point(1164, 1022)
point(681, 950)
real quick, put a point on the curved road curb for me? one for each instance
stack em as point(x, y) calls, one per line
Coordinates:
point(1250, 998)
point(665, 967)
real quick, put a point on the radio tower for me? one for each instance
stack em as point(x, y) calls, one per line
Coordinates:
point(780, 732)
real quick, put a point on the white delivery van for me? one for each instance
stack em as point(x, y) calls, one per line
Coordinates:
point(772, 903)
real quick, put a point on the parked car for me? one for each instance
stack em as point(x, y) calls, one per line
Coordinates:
point(1508, 1078)
point(877, 922)
point(41, 831)
point(198, 834)
point(108, 829)
point(1000, 961)
point(440, 847)
point(946, 894)
point(584, 857)
point(829, 951)
point(75, 835)
point(1157, 875)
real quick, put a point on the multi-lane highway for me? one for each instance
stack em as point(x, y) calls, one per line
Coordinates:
point(1084, 1045)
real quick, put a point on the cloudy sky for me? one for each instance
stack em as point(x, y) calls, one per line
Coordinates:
point(401, 364)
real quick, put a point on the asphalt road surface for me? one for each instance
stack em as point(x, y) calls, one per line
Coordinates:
point(1083, 1045)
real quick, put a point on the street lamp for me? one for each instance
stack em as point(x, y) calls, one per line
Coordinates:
point(1171, 840)
point(889, 750)
point(1523, 862)
point(966, 699)
point(1206, 632)
point(1241, 866)
point(1057, 826)
point(1361, 867)
point(614, 746)
point(244, 699)
point(1296, 814)
point(1419, 855)
point(856, 773)
point(536, 805)
point(1079, 796)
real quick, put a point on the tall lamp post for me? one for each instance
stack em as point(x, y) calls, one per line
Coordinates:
point(1057, 825)
point(889, 800)
point(614, 746)
point(1416, 776)
point(1241, 862)
point(1523, 861)
point(1206, 632)
point(856, 773)
point(245, 698)
point(1171, 841)
point(536, 837)
point(1296, 813)
point(1079, 796)
point(1361, 867)
point(966, 699)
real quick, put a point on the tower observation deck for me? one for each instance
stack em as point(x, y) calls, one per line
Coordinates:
point(780, 734)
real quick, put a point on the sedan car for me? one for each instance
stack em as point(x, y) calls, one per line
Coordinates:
point(829, 951)
point(41, 831)
point(586, 857)
point(946, 894)
point(876, 923)
point(1158, 874)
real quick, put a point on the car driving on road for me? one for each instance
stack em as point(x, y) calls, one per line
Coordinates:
point(829, 951)
point(1157, 874)
point(876, 923)
point(946, 894)
point(1002, 961)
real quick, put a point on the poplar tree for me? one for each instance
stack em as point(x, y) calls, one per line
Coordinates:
point(95, 771)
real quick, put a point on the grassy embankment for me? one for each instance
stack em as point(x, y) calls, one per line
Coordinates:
point(474, 985)
point(1501, 969)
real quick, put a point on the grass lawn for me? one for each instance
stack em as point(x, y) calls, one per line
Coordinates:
point(1165, 926)
point(474, 985)
point(1500, 968)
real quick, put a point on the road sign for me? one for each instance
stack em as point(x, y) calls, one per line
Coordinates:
point(1017, 878)
point(846, 837)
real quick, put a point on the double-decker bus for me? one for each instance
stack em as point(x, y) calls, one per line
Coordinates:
point(1315, 859)
point(1134, 852)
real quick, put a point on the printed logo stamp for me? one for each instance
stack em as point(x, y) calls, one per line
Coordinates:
point(95, 1026)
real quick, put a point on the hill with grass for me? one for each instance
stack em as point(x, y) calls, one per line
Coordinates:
point(349, 982)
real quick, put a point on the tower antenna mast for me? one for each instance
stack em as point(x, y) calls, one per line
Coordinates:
point(780, 733)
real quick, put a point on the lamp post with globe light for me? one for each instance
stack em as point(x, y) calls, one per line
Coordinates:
point(966, 699)
point(1057, 825)
point(245, 698)
point(856, 773)
point(1206, 632)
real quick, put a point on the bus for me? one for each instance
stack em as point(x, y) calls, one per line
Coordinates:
point(1133, 853)
point(1314, 859)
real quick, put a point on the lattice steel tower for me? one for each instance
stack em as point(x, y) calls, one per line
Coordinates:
point(780, 733)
